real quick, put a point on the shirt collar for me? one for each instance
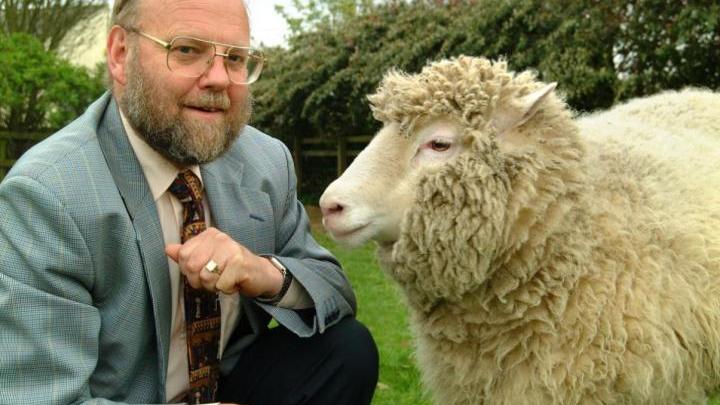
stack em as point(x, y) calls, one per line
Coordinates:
point(159, 171)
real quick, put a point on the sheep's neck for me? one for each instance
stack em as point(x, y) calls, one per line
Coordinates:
point(526, 293)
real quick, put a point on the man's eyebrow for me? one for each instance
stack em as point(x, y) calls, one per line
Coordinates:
point(184, 35)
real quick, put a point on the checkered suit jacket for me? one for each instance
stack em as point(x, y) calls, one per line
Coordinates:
point(84, 287)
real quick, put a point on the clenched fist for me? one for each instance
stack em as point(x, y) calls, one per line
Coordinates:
point(239, 270)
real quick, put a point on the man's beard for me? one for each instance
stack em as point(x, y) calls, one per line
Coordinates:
point(183, 141)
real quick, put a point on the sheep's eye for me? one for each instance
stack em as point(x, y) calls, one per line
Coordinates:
point(439, 146)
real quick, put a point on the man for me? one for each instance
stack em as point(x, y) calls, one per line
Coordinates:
point(118, 232)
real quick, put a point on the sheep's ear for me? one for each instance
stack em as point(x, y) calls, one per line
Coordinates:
point(509, 117)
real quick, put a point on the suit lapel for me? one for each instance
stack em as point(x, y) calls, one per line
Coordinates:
point(140, 205)
point(237, 211)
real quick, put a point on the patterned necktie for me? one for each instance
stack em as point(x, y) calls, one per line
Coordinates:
point(202, 308)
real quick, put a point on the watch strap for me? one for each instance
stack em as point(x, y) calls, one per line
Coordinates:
point(287, 280)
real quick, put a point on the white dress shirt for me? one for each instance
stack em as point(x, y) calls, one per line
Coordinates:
point(160, 173)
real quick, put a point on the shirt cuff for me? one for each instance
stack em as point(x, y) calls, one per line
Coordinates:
point(296, 297)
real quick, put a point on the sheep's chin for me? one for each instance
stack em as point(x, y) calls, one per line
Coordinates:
point(361, 234)
point(353, 237)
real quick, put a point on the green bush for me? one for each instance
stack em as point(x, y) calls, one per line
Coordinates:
point(39, 90)
point(600, 52)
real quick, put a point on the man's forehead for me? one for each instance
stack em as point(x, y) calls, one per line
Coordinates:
point(202, 4)
point(219, 20)
point(230, 8)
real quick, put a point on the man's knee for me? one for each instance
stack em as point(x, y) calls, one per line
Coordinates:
point(339, 366)
point(355, 347)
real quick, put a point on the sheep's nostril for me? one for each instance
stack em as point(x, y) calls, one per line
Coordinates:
point(332, 208)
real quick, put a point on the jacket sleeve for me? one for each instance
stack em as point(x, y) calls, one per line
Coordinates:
point(311, 265)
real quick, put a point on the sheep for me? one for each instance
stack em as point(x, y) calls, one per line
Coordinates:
point(544, 258)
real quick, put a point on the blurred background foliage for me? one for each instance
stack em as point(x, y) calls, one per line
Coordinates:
point(39, 90)
point(50, 21)
point(599, 51)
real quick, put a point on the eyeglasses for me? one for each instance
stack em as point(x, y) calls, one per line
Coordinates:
point(192, 57)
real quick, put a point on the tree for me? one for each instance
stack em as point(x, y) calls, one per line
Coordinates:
point(308, 14)
point(600, 52)
point(39, 90)
point(48, 20)
point(668, 44)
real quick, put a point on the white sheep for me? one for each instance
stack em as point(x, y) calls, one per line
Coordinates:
point(545, 260)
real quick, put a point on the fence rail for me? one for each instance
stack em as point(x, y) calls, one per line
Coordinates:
point(13, 144)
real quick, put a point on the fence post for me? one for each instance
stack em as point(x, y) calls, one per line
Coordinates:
point(341, 155)
point(297, 158)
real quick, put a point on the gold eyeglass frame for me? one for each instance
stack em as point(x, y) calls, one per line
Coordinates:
point(252, 53)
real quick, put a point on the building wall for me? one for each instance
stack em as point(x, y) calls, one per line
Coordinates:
point(90, 50)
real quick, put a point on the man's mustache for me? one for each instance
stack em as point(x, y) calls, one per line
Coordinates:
point(209, 101)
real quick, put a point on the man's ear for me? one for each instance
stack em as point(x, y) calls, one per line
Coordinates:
point(512, 115)
point(117, 54)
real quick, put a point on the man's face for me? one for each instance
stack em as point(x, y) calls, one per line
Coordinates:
point(188, 120)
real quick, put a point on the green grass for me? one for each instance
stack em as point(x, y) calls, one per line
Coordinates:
point(381, 309)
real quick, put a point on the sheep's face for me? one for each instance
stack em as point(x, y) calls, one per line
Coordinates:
point(370, 199)
point(469, 157)
point(430, 120)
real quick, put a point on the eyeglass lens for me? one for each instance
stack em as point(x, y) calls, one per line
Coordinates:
point(191, 57)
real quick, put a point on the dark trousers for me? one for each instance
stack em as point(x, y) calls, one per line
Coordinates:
point(337, 367)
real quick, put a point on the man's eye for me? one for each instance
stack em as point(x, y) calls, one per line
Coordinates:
point(236, 59)
point(185, 50)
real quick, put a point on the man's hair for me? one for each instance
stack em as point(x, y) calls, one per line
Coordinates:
point(125, 13)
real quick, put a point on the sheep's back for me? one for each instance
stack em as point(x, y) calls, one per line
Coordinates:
point(660, 155)
point(654, 172)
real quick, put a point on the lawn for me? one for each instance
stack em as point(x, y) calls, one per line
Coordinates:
point(381, 309)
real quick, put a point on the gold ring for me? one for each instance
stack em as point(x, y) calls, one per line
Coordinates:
point(211, 266)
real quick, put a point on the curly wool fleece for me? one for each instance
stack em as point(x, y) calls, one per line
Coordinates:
point(467, 88)
point(575, 262)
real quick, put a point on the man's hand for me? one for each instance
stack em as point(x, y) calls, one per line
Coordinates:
point(239, 270)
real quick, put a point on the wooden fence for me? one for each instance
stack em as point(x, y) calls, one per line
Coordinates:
point(13, 144)
point(341, 148)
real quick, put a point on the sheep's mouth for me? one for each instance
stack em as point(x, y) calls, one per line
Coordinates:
point(344, 234)
point(354, 236)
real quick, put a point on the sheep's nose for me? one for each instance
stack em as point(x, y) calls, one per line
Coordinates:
point(330, 207)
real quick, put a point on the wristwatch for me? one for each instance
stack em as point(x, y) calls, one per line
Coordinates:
point(287, 280)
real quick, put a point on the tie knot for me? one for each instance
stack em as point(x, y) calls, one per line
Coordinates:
point(186, 187)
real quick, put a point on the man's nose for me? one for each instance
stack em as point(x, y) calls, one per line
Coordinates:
point(216, 75)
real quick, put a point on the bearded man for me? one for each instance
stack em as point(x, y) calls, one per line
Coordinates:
point(145, 247)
